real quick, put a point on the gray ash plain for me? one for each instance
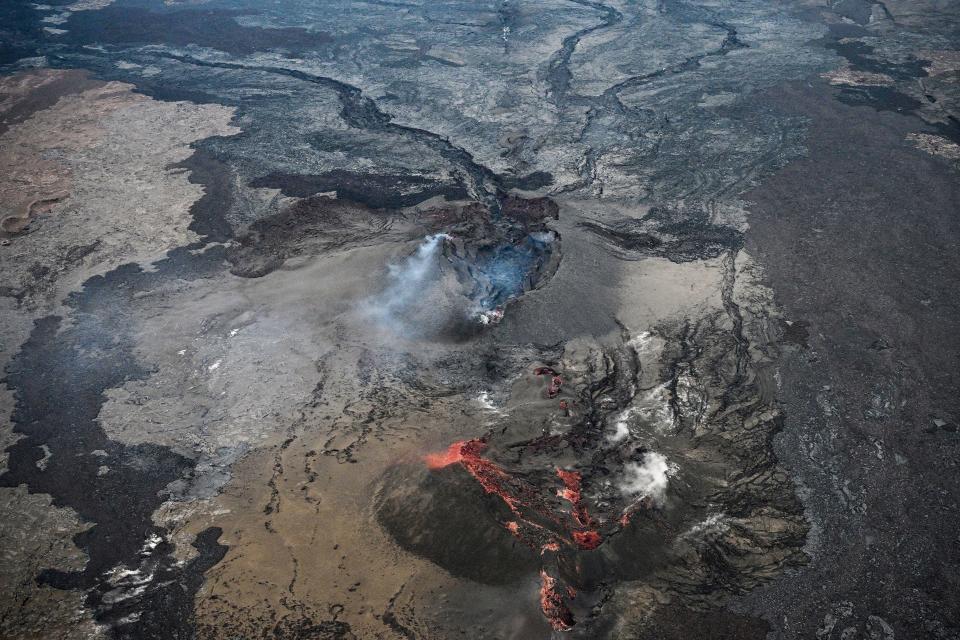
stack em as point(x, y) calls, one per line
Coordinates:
point(489, 320)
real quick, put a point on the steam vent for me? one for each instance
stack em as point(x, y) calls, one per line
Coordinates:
point(480, 320)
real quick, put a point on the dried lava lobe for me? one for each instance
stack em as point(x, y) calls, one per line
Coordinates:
point(494, 257)
point(311, 226)
point(680, 236)
point(81, 360)
point(380, 191)
point(217, 29)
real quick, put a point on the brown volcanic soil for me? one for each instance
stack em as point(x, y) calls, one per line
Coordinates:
point(286, 418)
point(86, 152)
point(338, 522)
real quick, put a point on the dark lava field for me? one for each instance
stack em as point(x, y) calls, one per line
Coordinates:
point(479, 319)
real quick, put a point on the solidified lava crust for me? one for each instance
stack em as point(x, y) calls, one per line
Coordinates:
point(370, 269)
point(596, 508)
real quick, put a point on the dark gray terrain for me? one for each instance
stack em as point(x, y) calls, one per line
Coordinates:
point(500, 319)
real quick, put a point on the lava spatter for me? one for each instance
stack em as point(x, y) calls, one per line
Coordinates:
point(571, 493)
point(587, 539)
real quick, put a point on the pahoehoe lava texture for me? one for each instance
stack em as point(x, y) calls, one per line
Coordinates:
point(378, 191)
point(128, 26)
point(726, 517)
point(89, 356)
point(677, 237)
point(404, 319)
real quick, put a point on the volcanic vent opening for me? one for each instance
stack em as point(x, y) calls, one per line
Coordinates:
point(465, 273)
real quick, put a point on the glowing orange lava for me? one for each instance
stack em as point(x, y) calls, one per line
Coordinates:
point(587, 539)
point(491, 477)
point(591, 538)
point(454, 453)
point(536, 522)
point(553, 605)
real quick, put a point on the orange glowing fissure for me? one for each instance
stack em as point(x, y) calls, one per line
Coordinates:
point(515, 494)
point(453, 454)
point(467, 452)
point(590, 538)
point(493, 479)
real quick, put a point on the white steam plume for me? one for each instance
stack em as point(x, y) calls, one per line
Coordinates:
point(408, 278)
point(414, 294)
point(649, 478)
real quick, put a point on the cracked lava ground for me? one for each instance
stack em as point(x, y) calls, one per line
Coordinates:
point(484, 319)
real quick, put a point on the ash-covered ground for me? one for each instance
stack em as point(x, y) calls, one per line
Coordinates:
point(504, 319)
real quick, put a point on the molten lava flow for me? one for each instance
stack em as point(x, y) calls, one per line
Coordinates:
point(553, 545)
point(491, 477)
point(553, 605)
point(519, 496)
point(587, 539)
point(536, 521)
point(454, 453)
point(571, 493)
point(591, 538)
